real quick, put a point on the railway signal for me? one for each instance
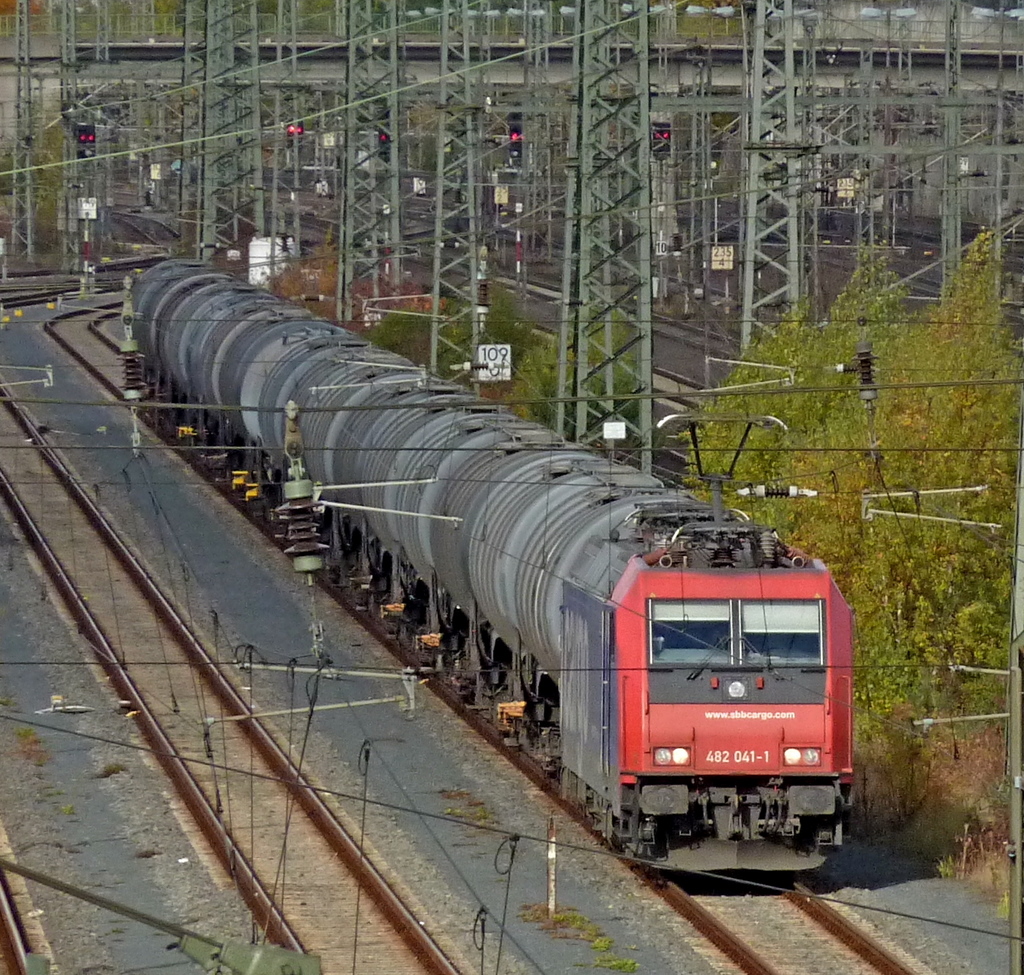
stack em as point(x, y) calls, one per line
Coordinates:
point(295, 129)
point(515, 138)
point(85, 139)
point(384, 144)
point(661, 138)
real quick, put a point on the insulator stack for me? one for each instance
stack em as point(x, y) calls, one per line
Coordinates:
point(866, 369)
point(301, 516)
point(770, 547)
point(134, 384)
point(722, 557)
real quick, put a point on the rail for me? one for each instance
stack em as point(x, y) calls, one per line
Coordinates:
point(376, 886)
point(734, 947)
point(845, 931)
point(257, 898)
point(14, 943)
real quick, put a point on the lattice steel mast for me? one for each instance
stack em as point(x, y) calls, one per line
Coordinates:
point(775, 173)
point(68, 214)
point(952, 177)
point(456, 222)
point(23, 209)
point(231, 184)
point(605, 334)
point(370, 191)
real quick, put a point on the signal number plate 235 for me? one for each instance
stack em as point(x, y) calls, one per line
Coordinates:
point(736, 756)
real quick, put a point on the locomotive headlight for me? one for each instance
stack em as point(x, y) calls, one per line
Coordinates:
point(801, 756)
point(672, 756)
point(736, 689)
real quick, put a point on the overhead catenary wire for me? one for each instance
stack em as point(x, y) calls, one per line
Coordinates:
point(542, 840)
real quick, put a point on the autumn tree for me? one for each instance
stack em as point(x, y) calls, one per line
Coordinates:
point(927, 594)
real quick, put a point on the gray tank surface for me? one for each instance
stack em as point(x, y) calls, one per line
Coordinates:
point(534, 511)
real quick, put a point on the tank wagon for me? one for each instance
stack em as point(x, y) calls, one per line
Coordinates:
point(686, 676)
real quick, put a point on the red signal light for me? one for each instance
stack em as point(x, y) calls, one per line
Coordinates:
point(296, 128)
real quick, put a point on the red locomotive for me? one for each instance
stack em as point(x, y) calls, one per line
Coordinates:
point(721, 731)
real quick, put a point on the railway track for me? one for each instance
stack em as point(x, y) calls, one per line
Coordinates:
point(206, 739)
point(15, 945)
point(792, 934)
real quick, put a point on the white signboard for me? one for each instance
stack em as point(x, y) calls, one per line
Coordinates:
point(614, 430)
point(155, 172)
point(328, 140)
point(419, 186)
point(266, 255)
point(87, 209)
point(846, 188)
point(493, 364)
point(723, 257)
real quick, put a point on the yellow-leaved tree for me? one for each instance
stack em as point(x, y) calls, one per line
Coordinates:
point(927, 594)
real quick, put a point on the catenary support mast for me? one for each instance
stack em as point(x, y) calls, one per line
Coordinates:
point(231, 196)
point(23, 216)
point(457, 237)
point(371, 192)
point(605, 333)
point(775, 156)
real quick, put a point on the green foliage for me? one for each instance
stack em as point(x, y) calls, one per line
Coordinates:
point(534, 354)
point(615, 964)
point(926, 594)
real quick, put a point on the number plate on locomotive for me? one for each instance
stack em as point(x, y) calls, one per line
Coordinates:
point(736, 756)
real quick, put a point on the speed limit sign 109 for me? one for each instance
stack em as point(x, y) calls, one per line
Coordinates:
point(493, 364)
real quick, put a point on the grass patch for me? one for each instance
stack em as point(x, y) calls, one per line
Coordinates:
point(68, 810)
point(567, 922)
point(468, 807)
point(146, 854)
point(114, 768)
point(616, 964)
point(31, 747)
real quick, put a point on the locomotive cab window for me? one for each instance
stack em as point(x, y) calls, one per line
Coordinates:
point(691, 633)
point(786, 633)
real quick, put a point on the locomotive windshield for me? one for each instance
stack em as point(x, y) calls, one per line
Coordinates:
point(784, 632)
point(691, 633)
point(776, 633)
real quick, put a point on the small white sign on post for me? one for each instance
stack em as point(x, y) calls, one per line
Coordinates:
point(328, 140)
point(493, 364)
point(155, 172)
point(87, 208)
point(419, 186)
point(723, 257)
point(614, 430)
point(846, 188)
